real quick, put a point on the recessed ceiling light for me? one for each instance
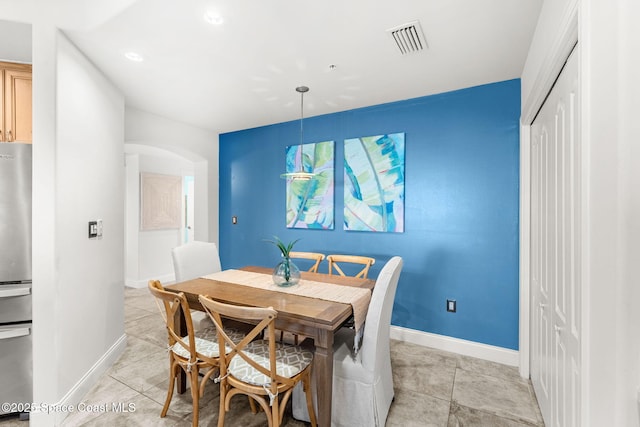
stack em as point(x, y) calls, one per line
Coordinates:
point(213, 18)
point(133, 56)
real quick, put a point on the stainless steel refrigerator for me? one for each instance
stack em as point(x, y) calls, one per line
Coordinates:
point(15, 276)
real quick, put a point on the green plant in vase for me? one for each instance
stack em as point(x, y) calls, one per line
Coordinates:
point(286, 273)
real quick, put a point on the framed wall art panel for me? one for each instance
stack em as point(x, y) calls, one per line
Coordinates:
point(310, 203)
point(160, 201)
point(374, 183)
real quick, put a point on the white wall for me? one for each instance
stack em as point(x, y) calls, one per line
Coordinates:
point(549, 42)
point(16, 42)
point(155, 246)
point(78, 176)
point(629, 221)
point(132, 218)
point(197, 145)
point(148, 253)
point(609, 39)
point(185, 149)
point(610, 68)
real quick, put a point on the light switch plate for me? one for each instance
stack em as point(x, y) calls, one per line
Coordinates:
point(95, 229)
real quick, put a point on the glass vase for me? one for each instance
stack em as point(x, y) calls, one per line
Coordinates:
point(286, 273)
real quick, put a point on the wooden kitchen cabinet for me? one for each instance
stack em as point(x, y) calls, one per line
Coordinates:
point(15, 102)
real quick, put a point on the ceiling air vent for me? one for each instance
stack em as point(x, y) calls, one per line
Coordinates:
point(408, 37)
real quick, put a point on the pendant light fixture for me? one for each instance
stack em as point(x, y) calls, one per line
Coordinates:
point(300, 175)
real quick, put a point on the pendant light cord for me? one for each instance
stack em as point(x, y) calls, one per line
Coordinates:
point(302, 90)
point(301, 174)
point(301, 118)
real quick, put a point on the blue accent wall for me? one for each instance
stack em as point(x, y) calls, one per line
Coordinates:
point(461, 206)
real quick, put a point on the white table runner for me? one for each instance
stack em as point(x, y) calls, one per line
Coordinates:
point(359, 298)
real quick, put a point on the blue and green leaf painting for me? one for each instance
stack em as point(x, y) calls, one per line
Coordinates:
point(374, 183)
point(310, 203)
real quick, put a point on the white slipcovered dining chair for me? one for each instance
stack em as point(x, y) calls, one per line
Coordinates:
point(195, 259)
point(363, 386)
point(192, 260)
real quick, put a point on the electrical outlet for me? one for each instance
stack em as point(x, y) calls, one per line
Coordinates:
point(451, 305)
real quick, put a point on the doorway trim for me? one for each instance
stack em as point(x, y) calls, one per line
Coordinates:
point(543, 82)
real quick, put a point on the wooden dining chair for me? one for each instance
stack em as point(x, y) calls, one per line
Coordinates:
point(313, 256)
point(193, 352)
point(265, 370)
point(366, 262)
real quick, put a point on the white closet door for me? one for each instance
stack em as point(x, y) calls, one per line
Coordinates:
point(555, 251)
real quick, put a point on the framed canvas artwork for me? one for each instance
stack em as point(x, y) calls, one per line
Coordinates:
point(310, 203)
point(160, 201)
point(374, 183)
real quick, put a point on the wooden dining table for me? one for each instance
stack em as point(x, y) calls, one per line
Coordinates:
point(315, 318)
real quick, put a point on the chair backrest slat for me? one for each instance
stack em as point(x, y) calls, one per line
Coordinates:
point(313, 256)
point(266, 318)
point(175, 305)
point(366, 262)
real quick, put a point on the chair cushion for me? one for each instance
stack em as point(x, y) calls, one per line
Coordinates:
point(290, 361)
point(207, 342)
point(210, 334)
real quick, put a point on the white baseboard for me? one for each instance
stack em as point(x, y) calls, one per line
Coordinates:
point(143, 283)
point(456, 345)
point(75, 395)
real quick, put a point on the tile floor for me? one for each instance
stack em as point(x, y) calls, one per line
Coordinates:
point(433, 388)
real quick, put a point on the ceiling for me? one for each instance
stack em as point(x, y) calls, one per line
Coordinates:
point(243, 73)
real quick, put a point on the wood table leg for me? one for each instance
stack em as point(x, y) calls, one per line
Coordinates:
point(323, 365)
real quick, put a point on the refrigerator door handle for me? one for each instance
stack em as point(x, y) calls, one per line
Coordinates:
point(7, 291)
point(13, 333)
